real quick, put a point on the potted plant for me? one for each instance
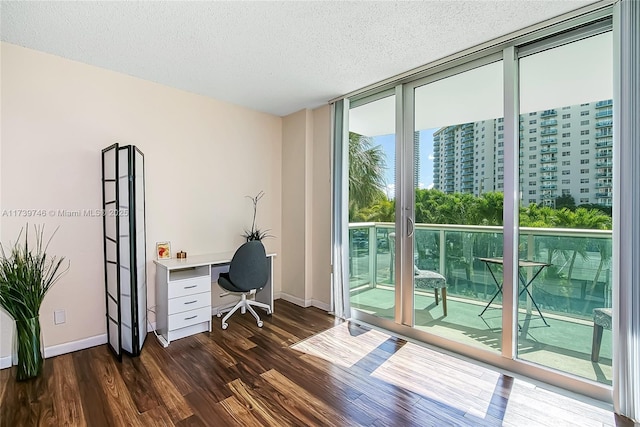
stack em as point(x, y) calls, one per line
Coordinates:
point(26, 275)
point(255, 233)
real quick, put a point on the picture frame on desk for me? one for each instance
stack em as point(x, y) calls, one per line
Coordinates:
point(163, 250)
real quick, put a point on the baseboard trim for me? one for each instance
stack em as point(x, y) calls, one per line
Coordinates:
point(5, 362)
point(57, 350)
point(70, 347)
point(321, 305)
point(295, 300)
point(304, 303)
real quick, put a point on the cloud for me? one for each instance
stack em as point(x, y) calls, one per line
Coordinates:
point(430, 186)
point(431, 157)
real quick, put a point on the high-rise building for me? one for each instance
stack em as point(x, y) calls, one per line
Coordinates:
point(564, 151)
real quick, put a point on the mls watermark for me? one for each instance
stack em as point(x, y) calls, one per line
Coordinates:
point(64, 213)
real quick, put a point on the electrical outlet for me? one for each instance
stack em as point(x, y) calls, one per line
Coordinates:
point(59, 317)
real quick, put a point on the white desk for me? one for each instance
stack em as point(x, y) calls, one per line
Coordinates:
point(185, 301)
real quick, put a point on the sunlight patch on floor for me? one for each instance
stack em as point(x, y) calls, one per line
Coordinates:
point(340, 346)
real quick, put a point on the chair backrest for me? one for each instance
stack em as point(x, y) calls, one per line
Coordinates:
point(249, 268)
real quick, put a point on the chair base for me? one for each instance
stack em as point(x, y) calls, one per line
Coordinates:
point(244, 304)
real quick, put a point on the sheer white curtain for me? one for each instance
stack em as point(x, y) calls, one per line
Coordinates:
point(340, 229)
point(626, 319)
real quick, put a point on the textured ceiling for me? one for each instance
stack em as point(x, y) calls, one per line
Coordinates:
point(276, 57)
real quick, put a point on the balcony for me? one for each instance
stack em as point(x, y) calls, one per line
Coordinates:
point(604, 164)
point(604, 123)
point(603, 104)
point(548, 169)
point(604, 133)
point(603, 195)
point(467, 133)
point(550, 159)
point(605, 113)
point(602, 154)
point(548, 141)
point(467, 179)
point(549, 113)
point(549, 150)
point(604, 143)
point(550, 131)
point(566, 296)
point(604, 175)
point(604, 185)
point(548, 187)
point(549, 178)
point(549, 196)
point(548, 123)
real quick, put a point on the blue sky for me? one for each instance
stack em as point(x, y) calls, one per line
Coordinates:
point(387, 142)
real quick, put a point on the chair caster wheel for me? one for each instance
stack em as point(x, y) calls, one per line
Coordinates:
point(219, 314)
point(260, 324)
point(225, 325)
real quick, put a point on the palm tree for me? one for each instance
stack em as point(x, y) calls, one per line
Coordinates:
point(366, 173)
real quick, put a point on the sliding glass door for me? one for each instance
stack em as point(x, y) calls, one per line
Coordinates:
point(566, 185)
point(372, 185)
point(458, 142)
point(480, 199)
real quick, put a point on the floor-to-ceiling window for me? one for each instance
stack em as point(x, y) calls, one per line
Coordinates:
point(428, 242)
point(371, 210)
point(566, 170)
point(458, 140)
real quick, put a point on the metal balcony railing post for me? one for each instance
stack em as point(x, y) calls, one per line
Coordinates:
point(373, 250)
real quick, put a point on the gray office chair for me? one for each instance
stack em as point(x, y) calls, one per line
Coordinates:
point(248, 273)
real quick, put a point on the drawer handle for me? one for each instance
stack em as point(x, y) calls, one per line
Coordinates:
point(192, 317)
point(191, 302)
point(189, 287)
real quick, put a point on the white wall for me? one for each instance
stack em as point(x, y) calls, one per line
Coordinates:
point(306, 209)
point(294, 210)
point(321, 208)
point(202, 158)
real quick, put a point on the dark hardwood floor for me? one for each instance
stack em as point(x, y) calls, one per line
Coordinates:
point(342, 375)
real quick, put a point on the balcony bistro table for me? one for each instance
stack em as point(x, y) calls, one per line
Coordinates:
point(525, 284)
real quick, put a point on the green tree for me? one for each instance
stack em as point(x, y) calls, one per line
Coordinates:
point(366, 173)
point(565, 201)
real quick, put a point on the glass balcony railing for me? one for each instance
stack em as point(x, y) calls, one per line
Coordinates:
point(548, 169)
point(548, 141)
point(549, 122)
point(548, 113)
point(602, 104)
point(604, 195)
point(549, 150)
point(604, 175)
point(604, 143)
point(550, 131)
point(605, 113)
point(577, 281)
point(548, 160)
point(604, 123)
point(604, 133)
point(602, 154)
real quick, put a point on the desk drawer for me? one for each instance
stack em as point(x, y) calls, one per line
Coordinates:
point(188, 318)
point(195, 285)
point(189, 302)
